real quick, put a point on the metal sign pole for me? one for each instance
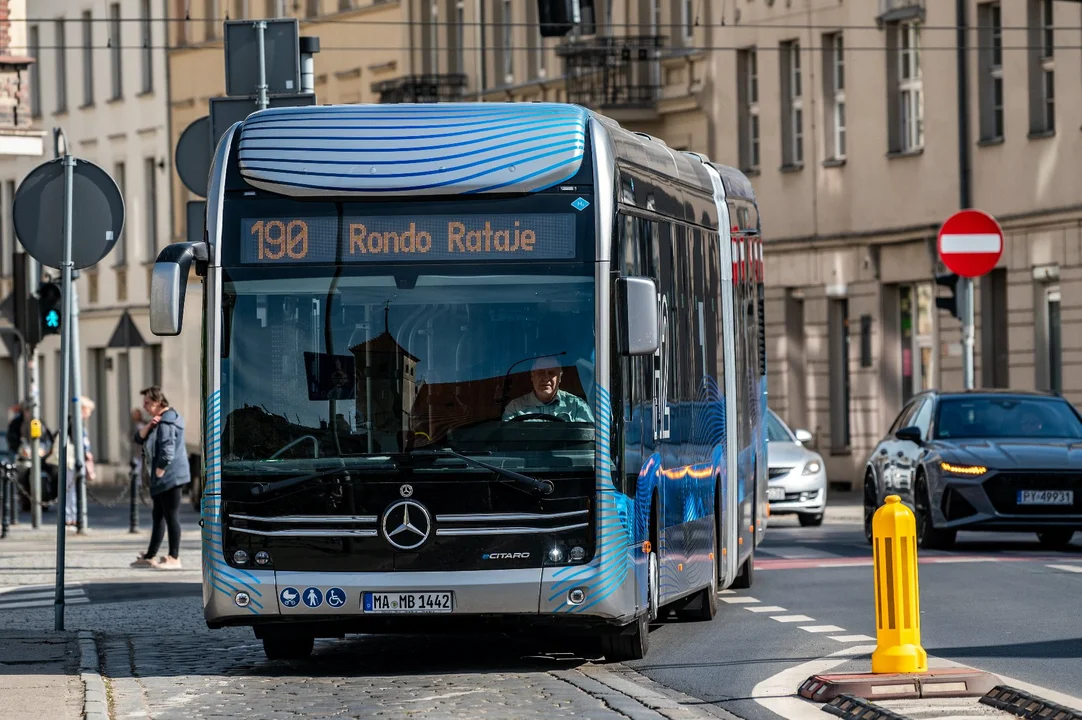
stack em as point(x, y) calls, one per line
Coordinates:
point(260, 29)
point(968, 332)
point(65, 377)
point(35, 442)
point(77, 410)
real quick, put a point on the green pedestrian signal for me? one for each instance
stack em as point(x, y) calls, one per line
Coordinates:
point(49, 307)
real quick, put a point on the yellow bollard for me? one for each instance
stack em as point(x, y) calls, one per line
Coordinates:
point(897, 601)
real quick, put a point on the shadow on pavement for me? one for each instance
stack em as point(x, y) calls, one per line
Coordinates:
point(1067, 648)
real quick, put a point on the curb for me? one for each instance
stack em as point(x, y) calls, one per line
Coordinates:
point(95, 700)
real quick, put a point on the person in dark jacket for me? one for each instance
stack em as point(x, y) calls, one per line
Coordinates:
point(166, 462)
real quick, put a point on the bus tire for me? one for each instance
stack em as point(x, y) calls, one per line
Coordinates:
point(628, 645)
point(287, 646)
point(746, 576)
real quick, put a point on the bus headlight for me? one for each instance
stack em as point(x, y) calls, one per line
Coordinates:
point(262, 557)
point(577, 553)
point(576, 596)
point(240, 557)
point(556, 555)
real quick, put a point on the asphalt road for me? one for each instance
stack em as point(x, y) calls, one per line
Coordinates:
point(995, 602)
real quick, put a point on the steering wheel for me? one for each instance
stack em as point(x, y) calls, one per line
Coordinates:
point(537, 416)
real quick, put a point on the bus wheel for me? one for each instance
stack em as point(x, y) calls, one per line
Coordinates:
point(746, 576)
point(628, 645)
point(285, 646)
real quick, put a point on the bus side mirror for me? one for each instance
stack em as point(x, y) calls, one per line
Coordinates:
point(168, 283)
point(636, 316)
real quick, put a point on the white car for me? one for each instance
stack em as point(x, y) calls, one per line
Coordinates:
point(797, 476)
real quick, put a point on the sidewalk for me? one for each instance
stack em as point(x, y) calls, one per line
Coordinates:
point(39, 676)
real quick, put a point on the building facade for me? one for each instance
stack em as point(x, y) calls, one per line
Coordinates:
point(847, 118)
point(100, 74)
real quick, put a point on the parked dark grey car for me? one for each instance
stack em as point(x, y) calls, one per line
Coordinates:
point(982, 460)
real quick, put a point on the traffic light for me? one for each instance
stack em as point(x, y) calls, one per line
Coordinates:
point(954, 303)
point(49, 309)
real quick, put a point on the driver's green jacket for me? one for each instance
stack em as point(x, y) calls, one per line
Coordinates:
point(565, 406)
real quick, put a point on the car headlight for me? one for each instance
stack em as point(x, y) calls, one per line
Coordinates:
point(812, 467)
point(964, 470)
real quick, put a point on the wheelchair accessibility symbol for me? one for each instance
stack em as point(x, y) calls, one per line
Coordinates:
point(336, 597)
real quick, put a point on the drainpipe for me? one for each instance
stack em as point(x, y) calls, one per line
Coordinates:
point(964, 176)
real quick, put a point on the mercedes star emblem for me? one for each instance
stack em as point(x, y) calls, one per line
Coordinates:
point(406, 524)
point(405, 490)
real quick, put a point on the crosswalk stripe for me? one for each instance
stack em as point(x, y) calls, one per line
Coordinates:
point(792, 618)
point(765, 608)
point(852, 638)
point(1067, 568)
point(43, 603)
point(739, 599)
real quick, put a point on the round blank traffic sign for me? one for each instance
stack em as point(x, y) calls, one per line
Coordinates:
point(970, 243)
point(193, 155)
point(97, 214)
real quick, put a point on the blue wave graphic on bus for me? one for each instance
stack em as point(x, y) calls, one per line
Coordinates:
point(222, 578)
point(384, 150)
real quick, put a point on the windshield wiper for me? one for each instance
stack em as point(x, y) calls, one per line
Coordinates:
point(264, 488)
point(545, 487)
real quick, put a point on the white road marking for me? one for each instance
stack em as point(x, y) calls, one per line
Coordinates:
point(779, 693)
point(821, 628)
point(1067, 568)
point(852, 638)
point(797, 552)
point(792, 618)
point(765, 608)
point(739, 599)
point(726, 592)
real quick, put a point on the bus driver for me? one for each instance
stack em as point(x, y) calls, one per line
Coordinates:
point(547, 398)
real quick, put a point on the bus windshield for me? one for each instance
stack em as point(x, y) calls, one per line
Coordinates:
point(346, 363)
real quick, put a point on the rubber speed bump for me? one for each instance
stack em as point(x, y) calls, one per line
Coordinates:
point(939, 683)
point(1024, 705)
point(852, 708)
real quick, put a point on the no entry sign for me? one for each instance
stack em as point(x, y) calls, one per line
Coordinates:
point(970, 243)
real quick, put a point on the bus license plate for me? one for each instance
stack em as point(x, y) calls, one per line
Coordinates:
point(1046, 497)
point(408, 602)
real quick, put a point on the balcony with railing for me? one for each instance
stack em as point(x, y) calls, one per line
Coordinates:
point(421, 88)
point(620, 76)
point(898, 10)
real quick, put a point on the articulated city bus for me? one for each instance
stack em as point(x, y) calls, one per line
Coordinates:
point(469, 366)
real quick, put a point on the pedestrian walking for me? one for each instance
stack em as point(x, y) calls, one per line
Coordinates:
point(166, 462)
point(71, 512)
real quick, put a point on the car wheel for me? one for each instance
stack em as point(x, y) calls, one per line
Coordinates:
point(1055, 539)
point(287, 646)
point(871, 504)
point(807, 520)
point(928, 537)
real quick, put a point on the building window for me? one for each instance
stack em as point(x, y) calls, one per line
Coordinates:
point(1042, 69)
point(115, 50)
point(311, 8)
point(345, 5)
point(792, 105)
point(150, 184)
point(210, 19)
point(147, 47)
point(839, 374)
point(995, 350)
point(459, 37)
point(537, 43)
point(240, 10)
point(120, 250)
point(507, 46)
point(432, 62)
point(34, 50)
point(834, 107)
point(61, 68)
point(687, 10)
point(907, 88)
point(88, 59)
point(990, 67)
point(1055, 340)
point(181, 13)
point(747, 72)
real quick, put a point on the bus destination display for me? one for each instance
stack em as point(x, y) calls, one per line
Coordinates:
point(403, 238)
